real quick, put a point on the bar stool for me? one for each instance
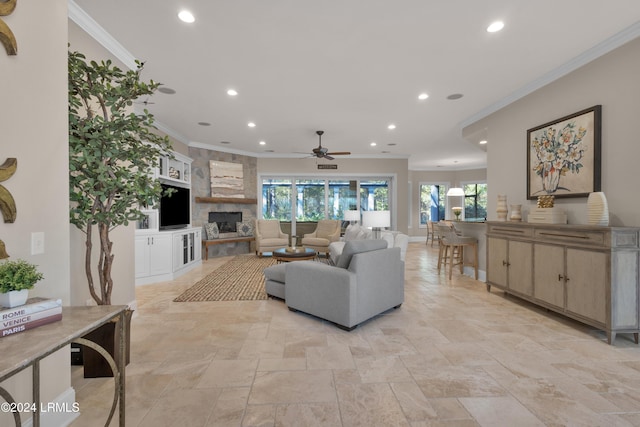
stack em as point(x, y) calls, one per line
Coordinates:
point(450, 240)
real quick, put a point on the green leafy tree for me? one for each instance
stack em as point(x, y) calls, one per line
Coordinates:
point(111, 151)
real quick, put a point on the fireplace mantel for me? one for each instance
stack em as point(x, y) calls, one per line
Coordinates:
point(234, 200)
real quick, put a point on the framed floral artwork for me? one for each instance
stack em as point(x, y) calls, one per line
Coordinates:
point(563, 156)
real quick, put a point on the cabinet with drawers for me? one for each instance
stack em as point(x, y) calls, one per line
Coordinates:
point(588, 273)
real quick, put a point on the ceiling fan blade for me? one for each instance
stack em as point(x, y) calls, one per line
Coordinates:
point(340, 153)
point(326, 156)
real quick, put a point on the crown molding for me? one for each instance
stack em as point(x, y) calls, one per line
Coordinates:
point(91, 27)
point(584, 58)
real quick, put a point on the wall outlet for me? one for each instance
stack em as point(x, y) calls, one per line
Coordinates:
point(37, 242)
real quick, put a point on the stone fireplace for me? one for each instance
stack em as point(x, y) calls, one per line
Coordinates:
point(226, 220)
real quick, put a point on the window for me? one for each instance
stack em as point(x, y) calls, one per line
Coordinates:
point(310, 200)
point(276, 199)
point(432, 197)
point(475, 202)
point(343, 196)
point(374, 195)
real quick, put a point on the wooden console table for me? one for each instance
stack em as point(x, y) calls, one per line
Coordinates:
point(28, 348)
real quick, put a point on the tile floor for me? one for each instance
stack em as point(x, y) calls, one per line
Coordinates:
point(452, 355)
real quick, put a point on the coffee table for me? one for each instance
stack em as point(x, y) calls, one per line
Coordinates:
point(297, 254)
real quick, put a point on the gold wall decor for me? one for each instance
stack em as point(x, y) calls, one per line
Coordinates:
point(6, 35)
point(7, 204)
point(3, 251)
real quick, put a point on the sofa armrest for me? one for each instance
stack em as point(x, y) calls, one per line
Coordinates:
point(321, 290)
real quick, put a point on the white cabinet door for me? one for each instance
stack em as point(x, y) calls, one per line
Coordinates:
point(160, 254)
point(142, 256)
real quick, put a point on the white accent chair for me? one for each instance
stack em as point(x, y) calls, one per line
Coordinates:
point(269, 236)
point(327, 231)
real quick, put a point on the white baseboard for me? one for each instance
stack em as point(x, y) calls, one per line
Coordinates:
point(471, 272)
point(59, 413)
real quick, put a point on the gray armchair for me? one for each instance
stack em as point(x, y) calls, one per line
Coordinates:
point(368, 280)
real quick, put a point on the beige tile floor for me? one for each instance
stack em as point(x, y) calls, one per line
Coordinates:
point(452, 355)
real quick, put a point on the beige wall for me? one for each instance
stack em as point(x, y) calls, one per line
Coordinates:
point(33, 128)
point(346, 167)
point(449, 178)
point(611, 81)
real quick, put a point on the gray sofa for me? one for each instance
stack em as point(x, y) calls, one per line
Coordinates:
point(368, 280)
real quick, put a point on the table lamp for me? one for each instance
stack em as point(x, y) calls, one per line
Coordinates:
point(376, 220)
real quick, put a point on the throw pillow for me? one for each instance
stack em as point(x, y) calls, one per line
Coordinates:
point(244, 228)
point(212, 230)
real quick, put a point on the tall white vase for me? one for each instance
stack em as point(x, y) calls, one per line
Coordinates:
point(502, 209)
point(597, 209)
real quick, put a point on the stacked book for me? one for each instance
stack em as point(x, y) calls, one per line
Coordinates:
point(36, 312)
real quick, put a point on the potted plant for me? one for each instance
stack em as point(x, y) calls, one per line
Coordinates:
point(112, 152)
point(16, 278)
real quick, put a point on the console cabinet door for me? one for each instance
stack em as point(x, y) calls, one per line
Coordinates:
point(519, 263)
point(587, 290)
point(548, 276)
point(497, 262)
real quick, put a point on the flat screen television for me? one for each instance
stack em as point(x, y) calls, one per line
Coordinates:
point(175, 209)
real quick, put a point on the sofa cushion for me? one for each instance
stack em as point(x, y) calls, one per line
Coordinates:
point(315, 241)
point(274, 242)
point(358, 246)
point(275, 272)
point(351, 233)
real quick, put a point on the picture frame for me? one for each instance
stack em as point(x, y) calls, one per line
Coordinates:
point(564, 156)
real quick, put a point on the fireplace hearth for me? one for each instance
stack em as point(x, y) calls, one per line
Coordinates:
point(226, 220)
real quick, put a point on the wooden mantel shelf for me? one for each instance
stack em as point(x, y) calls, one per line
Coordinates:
point(226, 200)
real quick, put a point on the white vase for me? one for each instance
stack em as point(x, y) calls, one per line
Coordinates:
point(597, 209)
point(516, 213)
point(502, 209)
point(14, 298)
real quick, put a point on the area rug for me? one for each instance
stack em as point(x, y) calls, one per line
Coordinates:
point(240, 279)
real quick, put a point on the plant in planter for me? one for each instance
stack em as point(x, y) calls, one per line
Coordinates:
point(16, 278)
point(112, 151)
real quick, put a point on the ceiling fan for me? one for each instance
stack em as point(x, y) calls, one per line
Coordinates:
point(322, 153)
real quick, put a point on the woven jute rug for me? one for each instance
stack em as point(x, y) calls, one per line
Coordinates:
point(240, 279)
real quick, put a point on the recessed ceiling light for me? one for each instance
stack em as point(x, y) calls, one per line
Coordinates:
point(204, 123)
point(225, 142)
point(391, 126)
point(232, 92)
point(262, 143)
point(186, 16)
point(495, 27)
point(391, 144)
point(484, 141)
point(373, 144)
point(251, 124)
point(423, 96)
point(455, 96)
point(166, 90)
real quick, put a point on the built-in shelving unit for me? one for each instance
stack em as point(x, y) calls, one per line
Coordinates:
point(226, 200)
point(162, 255)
